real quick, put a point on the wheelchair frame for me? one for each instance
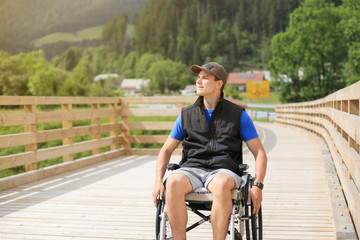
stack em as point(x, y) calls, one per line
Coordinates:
point(243, 224)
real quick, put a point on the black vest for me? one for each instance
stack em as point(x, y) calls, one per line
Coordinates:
point(221, 147)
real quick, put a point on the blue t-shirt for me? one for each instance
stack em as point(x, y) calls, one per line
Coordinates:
point(247, 128)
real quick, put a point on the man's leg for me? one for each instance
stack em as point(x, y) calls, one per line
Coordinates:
point(221, 186)
point(177, 186)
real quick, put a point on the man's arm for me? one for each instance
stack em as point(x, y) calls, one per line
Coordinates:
point(161, 164)
point(257, 149)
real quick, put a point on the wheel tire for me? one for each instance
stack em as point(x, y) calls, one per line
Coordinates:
point(253, 226)
point(256, 225)
point(247, 208)
point(158, 219)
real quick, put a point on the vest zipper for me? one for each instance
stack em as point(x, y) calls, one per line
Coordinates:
point(212, 132)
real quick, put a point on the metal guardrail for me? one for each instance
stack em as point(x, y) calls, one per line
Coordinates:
point(262, 111)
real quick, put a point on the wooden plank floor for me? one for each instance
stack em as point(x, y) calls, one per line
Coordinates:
point(112, 200)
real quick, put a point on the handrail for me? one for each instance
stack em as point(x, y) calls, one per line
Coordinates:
point(111, 127)
point(335, 118)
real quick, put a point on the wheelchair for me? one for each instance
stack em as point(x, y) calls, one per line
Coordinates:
point(243, 223)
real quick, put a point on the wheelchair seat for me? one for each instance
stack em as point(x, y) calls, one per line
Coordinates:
point(201, 198)
point(202, 194)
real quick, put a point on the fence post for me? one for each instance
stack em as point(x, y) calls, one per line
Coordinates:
point(95, 122)
point(30, 128)
point(67, 124)
point(354, 109)
point(113, 122)
point(125, 132)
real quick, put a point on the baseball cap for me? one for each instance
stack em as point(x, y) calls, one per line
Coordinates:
point(212, 68)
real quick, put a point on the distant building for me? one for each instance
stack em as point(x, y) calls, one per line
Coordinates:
point(189, 90)
point(133, 86)
point(266, 73)
point(239, 79)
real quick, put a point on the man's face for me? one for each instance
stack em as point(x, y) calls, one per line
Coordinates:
point(206, 84)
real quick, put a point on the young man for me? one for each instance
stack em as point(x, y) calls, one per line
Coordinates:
point(212, 131)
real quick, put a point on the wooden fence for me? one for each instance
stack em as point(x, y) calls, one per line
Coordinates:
point(336, 119)
point(108, 128)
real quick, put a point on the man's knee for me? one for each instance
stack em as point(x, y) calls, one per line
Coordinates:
point(177, 185)
point(221, 184)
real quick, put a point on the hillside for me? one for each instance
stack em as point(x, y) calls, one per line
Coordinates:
point(85, 34)
point(23, 21)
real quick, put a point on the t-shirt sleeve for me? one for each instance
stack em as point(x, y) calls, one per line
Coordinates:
point(177, 132)
point(247, 127)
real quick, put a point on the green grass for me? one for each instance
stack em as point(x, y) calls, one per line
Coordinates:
point(262, 120)
point(85, 34)
point(93, 33)
point(273, 99)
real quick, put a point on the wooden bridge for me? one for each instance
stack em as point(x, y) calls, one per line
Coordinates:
point(107, 147)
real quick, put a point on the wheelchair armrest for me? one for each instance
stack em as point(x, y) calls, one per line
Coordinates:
point(172, 166)
point(243, 167)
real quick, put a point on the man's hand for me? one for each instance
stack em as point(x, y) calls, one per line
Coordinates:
point(255, 196)
point(158, 192)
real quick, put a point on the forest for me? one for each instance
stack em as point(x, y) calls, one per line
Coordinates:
point(311, 48)
point(22, 21)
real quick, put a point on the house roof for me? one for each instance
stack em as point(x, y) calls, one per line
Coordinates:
point(107, 75)
point(239, 78)
point(133, 83)
point(191, 87)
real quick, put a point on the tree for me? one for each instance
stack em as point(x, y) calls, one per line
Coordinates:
point(46, 80)
point(105, 60)
point(145, 62)
point(127, 69)
point(313, 46)
point(72, 57)
point(104, 87)
point(114, 33)
point(186, 36)
point(198, 31)
point(350, 12)
point(15, 71)
point(79, 81)
point(167, 75)
point(230, 91)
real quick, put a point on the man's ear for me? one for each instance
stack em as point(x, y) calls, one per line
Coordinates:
point(219, 83)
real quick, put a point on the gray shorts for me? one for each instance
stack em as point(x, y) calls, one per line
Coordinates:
point(201, 178)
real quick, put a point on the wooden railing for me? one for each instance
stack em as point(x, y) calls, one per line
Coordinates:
point(152, 118)
point(67, 139)
point(336, 119)
point(82, 131)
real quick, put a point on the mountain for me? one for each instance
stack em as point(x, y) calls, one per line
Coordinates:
point(22, 21)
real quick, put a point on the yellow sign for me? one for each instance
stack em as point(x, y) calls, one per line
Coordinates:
point(257, 89)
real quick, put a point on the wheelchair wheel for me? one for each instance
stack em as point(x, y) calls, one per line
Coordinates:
point(256, 225)
point(239, 226)
point(253, 224)
point(158, 218)
point(162, 224)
